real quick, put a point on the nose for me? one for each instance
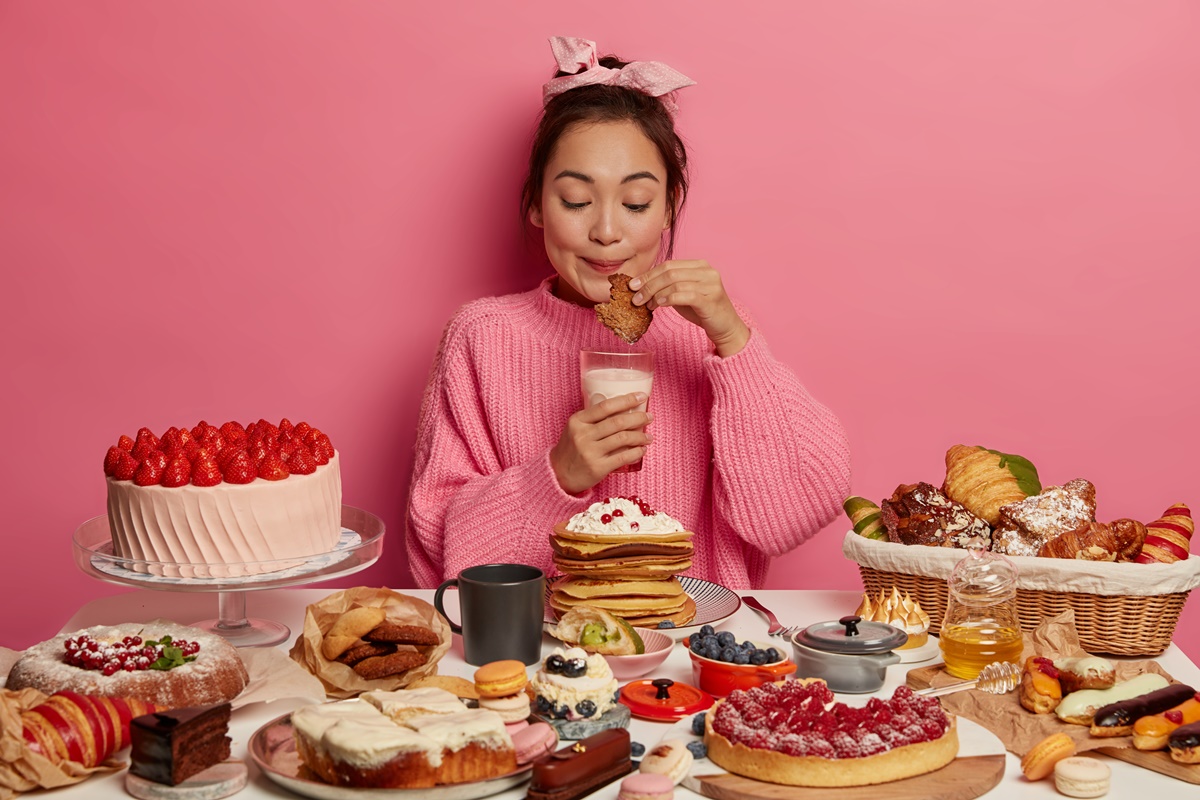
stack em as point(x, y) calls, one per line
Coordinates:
point(605, 230)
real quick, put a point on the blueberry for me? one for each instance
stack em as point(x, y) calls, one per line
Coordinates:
point(697, 645)
point(574, 668)
point(726, 639)
point(758, 658)
point(637, 749)
point(773, 655)
point(728, 654)
point(666, 623)
point(707, 630)
point(543, 705)
point(698, 723)
point(563, 711)
point(585, 708)
point(741, 658)
point(698, 749)
point(555, 664)
point(617, 696)
point(712, 651)
point(747, 645)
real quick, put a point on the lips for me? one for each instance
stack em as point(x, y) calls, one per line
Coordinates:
point(605, 267)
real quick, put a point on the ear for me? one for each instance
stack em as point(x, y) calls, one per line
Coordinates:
point(535, 216)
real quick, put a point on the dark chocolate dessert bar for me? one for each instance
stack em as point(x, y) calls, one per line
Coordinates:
point(171, 746)
point(579, 769)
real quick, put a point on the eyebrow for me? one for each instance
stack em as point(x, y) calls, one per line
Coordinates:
point(569, 173)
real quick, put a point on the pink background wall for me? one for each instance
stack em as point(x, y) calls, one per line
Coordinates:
point(959, 222)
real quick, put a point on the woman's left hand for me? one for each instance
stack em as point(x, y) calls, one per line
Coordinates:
point(695, 289)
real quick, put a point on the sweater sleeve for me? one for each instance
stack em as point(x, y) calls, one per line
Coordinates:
point(781, 459)
point(465, 507)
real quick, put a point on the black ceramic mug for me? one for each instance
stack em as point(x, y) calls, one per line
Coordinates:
point(502, 607)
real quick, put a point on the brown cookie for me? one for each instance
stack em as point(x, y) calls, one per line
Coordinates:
point(393, 664)
point(363, 650)
point(620, 315)
point(401, 634)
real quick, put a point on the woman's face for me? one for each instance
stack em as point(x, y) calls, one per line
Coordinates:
point(603, 209)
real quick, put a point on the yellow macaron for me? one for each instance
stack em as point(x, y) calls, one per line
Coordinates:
point(500, 678)
point(1039, 762)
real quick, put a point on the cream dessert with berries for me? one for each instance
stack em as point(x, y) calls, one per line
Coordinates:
point(159, 662)
point(793, 733)
point(223, 502)
point(574, 685)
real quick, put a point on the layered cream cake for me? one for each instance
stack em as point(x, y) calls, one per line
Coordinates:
point(223, 502)
point(353, 743)
point(573, 684)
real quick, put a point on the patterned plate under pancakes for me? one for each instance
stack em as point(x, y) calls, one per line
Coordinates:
point(714, 603)
point(273, 749)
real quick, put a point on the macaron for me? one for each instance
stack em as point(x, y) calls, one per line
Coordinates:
point(513, 708)
point(669, 757)
point(1081, 776)
point(1039, 762)
point(500, 678)
point(513, 727)
point(534, 741)
point(646, 786)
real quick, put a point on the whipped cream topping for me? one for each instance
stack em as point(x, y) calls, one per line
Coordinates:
point(623, 515)
point(597, 684)
point(400, 705)
point(899, 611)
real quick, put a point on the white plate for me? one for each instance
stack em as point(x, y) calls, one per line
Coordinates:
point(926, 652)
point(273, 749)
point(714, 604)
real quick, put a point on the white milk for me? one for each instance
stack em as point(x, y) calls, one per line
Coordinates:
point(603, 384)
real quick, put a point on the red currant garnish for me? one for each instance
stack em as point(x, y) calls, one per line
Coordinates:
point(618, 512)
point(605, 519)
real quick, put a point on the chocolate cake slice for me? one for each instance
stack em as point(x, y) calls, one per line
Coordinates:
point(171, 746)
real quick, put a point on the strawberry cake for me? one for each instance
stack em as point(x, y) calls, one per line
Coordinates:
point(223, 502)
point(791, 732)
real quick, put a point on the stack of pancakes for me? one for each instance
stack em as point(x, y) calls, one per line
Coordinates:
point(629, 575)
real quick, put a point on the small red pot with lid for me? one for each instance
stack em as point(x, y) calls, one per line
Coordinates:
point(664, 700)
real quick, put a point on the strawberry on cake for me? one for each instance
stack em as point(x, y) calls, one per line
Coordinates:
point(221, 502)
point(791, 732)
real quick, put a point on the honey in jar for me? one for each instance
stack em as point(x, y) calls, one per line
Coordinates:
point(981, 623)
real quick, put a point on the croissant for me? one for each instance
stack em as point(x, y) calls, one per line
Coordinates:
point(984, 480)
point(1131, 535)
point(1168, 538)
point(1092, 541)
point(86, 729)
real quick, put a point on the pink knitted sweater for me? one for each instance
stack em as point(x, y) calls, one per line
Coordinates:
point(743, 455)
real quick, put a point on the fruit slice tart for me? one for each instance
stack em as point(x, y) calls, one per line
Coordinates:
point(791, 732)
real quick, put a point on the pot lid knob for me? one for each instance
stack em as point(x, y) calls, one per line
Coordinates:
point(663, 686)
point(851, 624)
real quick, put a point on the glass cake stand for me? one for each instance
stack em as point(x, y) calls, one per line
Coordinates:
point(360, 545)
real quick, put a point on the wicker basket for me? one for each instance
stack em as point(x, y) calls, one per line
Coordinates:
point(1116, 624)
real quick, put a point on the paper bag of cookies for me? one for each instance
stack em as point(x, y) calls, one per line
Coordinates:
point(365, 639)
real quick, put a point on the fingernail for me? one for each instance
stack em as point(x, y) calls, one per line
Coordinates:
point(649, 417)
point(649, 437)
point(641, 397)
point(637, 298)
point(635, 284)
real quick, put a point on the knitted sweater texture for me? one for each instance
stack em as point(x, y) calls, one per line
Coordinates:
point(743, 455)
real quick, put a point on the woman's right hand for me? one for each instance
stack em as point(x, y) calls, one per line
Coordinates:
point(600, 439)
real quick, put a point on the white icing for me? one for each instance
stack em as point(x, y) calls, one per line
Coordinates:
point(1088, 701)
point(589, 521)
point(413, 702)
point(597, 684)
point(227, 525)
point(456, 731)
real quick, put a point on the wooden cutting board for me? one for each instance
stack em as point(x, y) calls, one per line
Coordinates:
point(961, 779)
point(1157, 761)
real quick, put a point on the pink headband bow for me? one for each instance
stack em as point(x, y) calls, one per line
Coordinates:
point(578, 56)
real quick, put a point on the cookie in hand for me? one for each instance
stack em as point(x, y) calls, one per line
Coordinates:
point(620, 315)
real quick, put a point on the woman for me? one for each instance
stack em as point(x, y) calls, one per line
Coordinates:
point(735, 448)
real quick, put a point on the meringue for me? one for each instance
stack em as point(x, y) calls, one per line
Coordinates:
point(899, 611)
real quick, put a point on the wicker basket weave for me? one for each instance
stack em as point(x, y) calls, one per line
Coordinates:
point(1120, 609)
point(1121, 625)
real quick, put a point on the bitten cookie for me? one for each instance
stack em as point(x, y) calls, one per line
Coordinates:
point(620, 315)
point(401, 634)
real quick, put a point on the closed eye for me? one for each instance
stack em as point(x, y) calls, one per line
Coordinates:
point(637, 208)
point(574, 206)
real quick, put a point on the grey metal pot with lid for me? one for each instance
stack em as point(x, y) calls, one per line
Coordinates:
point(849, 654)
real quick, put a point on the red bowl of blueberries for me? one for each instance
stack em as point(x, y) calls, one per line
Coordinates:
point(720, 664)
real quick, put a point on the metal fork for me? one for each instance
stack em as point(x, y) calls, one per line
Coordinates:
point(774, 628)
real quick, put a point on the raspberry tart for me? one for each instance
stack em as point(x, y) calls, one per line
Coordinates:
point(791, 732)
point(235, 500)
point(161, 663)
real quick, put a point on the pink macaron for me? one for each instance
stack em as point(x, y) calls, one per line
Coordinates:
point(647, 786)
point(533, 742)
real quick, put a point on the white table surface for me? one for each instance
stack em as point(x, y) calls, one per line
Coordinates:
point(791, 606)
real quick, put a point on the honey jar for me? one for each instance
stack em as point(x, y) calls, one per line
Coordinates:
point(981, 624)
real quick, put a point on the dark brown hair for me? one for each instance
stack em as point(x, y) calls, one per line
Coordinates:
point(600, 103)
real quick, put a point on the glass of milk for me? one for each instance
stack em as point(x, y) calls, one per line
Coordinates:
point(605, 375)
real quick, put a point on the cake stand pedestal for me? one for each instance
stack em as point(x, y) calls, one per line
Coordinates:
point(360, 545)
